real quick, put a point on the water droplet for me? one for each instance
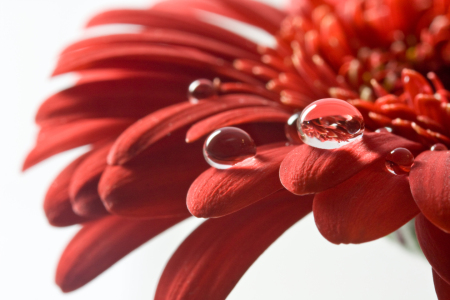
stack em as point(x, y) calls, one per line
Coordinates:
point(384, 129)
point(201, 89)
point(228, 146)
point(438, 147)
point(399, 161)
point(330, 123)
point(290, 129)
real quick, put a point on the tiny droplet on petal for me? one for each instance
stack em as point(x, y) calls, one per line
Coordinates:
point(290, 129)
point(201, 89)
point(330, 123)
point(438, 147)
point(384, 129)
point(399, 161)
point(228, 146)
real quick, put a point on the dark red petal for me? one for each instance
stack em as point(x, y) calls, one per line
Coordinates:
point(441, 286)
point(132, 96)
point(430, 186)
point(57, 205)
point(235, 117)
point(309, 170)
point(149, 57)
point(100, 244)
point(53, 140)
point(83, 186)
point(368, 206)
point(154, 184)
point(166, 36)
point(159, 124)
point(216, 193)
point(435, 245)
point(160, 19)
point(214, 257)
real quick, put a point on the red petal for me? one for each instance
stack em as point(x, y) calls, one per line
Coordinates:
point(83, 186)
point(57, 205)
point(309, 170)
point(144, 57)
point(435, 245)
point(100, 244)
point(429, 185)
point(53, 140)
point(155, 184)
point(159, 124)
point(235, 117)
point(159, 19)
point(216, 193)
point(414, 83)
point(257, 14)
point(442, 287)
point(166, 36)
point(132, 96)
point(214, 257)
point(368, 206)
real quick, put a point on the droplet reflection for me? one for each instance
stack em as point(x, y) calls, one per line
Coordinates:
point(330, 123)
point(228, 146)
point(201, 89)
point(399, 161)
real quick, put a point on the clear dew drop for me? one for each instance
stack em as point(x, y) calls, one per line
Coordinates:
point(290, 129)
point(384, 129)
point(228, 146)
point(399, 161)
point(330, 123)
point(438, 147)
point(201, 89)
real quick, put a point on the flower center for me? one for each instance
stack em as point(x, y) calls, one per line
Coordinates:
point(321, 54)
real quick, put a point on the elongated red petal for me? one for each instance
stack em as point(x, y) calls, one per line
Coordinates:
point(57, 206)
point(159, 124)
point(235, 117)
point(132, 96)
point(214, 257)
point(83, 186)
point(166, 36)
point(159, 19)
point(430, 186)
point(216, 193)
point(435, 245)
point(155, 184)
point(441, 286)
point(258, 14)
point(100, 244)
point(310, 170)
point(53, 140)
point(368, 206)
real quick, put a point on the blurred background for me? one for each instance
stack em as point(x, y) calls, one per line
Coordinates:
point(300, 265)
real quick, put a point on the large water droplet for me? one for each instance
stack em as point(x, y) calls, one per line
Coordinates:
point(228, 146)
point(330, 123)
point(399, 161)
point(438, 147)
point(201, 89)
point(290, 129)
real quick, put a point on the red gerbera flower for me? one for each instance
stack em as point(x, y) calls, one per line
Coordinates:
point(389, 59)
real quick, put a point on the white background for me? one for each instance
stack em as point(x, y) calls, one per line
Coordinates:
point(300, 265)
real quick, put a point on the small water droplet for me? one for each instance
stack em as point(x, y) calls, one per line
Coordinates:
point(228, 146)
point(330, 123)
point(290, 129)
point(384, 129)
point(399, 161)
point(438, 147)
point(201, 89)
